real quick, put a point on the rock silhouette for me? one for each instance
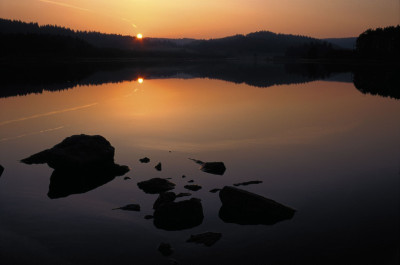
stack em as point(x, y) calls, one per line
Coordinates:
point(216, 168)
point(174, 216)
point(158, 167)
point(144, 160)
point(245, 208)
point(156, 185)
point(247, 183)
point(1, 170)
point(81, 163)
point(192, 187)
point(164, 197)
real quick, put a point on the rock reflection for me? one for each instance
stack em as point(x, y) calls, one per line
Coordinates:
point(174, 216)
point(246, 208)
point(67, 182)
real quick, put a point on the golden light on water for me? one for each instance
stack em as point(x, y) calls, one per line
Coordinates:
point(139, 36)
point(140, 80)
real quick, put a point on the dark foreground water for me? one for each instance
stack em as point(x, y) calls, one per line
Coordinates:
point(320, 147)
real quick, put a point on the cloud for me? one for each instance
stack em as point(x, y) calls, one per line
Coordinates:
point(65, 5)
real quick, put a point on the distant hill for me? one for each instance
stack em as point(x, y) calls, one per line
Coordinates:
point(261, 42)
point(344, 43)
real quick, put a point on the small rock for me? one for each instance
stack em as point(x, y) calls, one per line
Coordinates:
point(129, 207)
point(248, 183)
point(126, 178)
point(156, 185)
point(165, 249)
point(216, 168)
point(144, 160)
point(208, 239)
point(1, 170)
point(191, 181)
point(158, 166)
point(148, 217)
point(183, 194)
point(183, 176)
point(214, 190)
point(192, 187)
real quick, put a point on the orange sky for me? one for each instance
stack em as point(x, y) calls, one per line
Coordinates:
point(209, 18)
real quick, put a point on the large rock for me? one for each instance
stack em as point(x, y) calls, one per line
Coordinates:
point(81, 163)
point(164, 197)
point(77, 151)
point(243, 207)
point(156, 185)
point(181, 215)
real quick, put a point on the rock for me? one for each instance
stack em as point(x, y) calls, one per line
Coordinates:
point(181, 215)
point(1, 170)
point(192, 187)
point(158, 166)
point(208, 239)
point(164, 197)
point(77, 151)
point(165, 249)
point(81, 163)
point(214, 190)
point(216, 168)
point(148, 217)
point(248, 183)
point(129, 207)
point(183, 176)
point(243, 207)
point(191, 181)
point(156, 185)
point(183, 194)
point(126, 178)
point(144, 160)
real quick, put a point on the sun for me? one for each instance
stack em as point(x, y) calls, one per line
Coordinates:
point(139, 36)
point(140, 80)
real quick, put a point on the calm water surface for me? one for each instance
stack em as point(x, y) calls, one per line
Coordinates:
point(321, 147)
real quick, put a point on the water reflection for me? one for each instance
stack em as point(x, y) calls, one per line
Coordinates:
point(22, 80)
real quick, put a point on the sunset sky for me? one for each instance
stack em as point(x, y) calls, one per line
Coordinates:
point(209, 18)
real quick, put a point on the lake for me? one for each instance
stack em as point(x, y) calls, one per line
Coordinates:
point(317, 143)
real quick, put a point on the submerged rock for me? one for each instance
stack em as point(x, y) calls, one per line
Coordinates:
point(214, 190)
point(1, 170)
point(164, 197)
point(191, 181)
point(216, 168)
point(181, 215)
point(126, 178)
point(148, 217)
point(144, 160)
point(158, 166)
point(165, 249)
point(208, 239)
point(156, 185)
point(192, 187)
point(243, 207)
point(247, 183)
point(129, 207)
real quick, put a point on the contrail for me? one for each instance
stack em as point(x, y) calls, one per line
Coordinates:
point(32, 133)
point(47, 114)
point(65, 5)
point(87, 10)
